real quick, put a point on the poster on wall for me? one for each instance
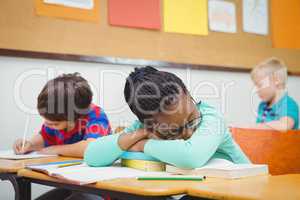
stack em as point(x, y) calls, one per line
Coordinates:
point(222, 16)
point(79, 10)
point(187, 17)
point(255, 16)
point(82, 4)
point(135, 13)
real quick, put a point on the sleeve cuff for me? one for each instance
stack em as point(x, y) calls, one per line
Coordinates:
point(116, 139)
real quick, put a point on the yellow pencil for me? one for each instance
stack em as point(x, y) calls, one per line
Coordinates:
point(69, 164)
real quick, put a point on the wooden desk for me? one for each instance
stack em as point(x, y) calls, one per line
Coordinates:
point(13, 166)
point(118, 188)
point(259, 187)
point(9, 169)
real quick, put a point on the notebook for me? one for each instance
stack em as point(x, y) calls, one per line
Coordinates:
point(83, 174)
point(9, 154)
point(222, 168)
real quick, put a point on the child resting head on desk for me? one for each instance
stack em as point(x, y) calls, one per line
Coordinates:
point(277, 110)
point(71, 121)
point(171, 126)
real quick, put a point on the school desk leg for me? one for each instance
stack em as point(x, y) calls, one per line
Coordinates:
point(24, 187)
point(21, 186)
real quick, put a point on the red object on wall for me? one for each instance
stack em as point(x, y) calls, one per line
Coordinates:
point(135, 13)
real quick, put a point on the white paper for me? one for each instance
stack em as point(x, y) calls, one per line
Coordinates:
point(93, 174)
point(83, 174)
point(255, 16)
point(222, 16)
point(9, 154)
point(82, 4)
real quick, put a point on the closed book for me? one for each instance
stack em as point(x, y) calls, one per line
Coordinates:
point(221, 168)
point(141, 161)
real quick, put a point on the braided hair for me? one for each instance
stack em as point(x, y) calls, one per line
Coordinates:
point(147, 91)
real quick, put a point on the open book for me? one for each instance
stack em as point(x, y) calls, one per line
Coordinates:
point(9, 154)
point(83, 174)
point(222, 168)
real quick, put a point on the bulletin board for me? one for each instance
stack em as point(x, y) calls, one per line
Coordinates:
point(22, 30)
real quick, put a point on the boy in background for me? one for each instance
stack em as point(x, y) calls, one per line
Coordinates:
point(277, 110)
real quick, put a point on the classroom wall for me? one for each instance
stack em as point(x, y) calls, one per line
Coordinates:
point(24, 30)
point(21, 80)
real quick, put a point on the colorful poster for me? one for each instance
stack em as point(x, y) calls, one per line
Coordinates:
point(255, 16)
point(67, 12)
point(186, 16)
point(135, 13)
point(82, 4)
point(222, 16)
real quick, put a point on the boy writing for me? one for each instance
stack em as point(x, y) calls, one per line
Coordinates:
point(71, 121)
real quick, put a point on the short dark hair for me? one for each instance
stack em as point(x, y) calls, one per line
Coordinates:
point(65, 98)
point(148, 89)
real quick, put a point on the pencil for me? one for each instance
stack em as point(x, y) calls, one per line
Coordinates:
point(170, 178)
point(24, 134)
point(69, 164)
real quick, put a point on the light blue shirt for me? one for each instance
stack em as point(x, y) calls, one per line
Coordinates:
point(285, 107)
point(212, 139)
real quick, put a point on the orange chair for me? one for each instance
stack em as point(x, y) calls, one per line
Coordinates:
point(280, 150)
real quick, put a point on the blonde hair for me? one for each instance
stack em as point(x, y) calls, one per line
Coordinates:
point(272, 66)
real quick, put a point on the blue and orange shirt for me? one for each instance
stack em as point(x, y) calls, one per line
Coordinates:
point(285, 107)
point(94, 125)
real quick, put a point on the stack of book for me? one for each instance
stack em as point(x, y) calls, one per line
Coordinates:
point(141, 161)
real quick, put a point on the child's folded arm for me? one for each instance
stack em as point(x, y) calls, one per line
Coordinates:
point(106, 150)
point(72, 150)
point(283, 124)
point(92, 156)
point(191, 153)
point(103, 151)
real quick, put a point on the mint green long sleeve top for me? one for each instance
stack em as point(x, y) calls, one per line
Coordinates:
point(212, 139)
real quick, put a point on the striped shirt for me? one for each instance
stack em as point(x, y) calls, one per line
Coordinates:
point(94, 125)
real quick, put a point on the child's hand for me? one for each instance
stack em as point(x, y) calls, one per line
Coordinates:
point(148, 134)
point(154, 136)
point(139, 146)
point(142, 133)
point(18, 147)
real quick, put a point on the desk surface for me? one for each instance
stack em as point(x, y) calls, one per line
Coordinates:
point(132, 186)
point(259, 187)
point(12, 166)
